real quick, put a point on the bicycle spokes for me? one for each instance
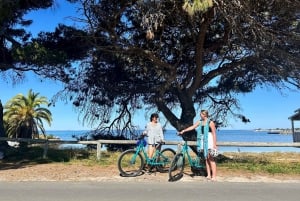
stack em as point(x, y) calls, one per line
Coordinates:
point(130, 163)
point(176, 168)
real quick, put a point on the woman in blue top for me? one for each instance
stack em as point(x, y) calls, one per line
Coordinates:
point(208, 142)
point(154, 132)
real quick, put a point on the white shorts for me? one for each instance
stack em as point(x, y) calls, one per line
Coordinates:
point(154, 140)
point(210, 143)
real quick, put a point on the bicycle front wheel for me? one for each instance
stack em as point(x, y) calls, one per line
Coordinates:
point(164, 160)
point(176, 168)
point(130, 163)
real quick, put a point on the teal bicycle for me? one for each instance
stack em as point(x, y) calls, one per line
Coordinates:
point(132, 161)
point(196, 162)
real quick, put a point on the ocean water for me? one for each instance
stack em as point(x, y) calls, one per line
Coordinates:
point(222, 136)
point(253, 136)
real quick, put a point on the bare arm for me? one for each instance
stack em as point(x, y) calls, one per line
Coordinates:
point(192, 127)
point(213, 132)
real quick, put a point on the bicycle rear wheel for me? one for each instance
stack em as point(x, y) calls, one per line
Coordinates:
point(130, 163)
point(177, 166)
point(164, 159)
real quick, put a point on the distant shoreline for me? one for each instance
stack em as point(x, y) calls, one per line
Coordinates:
point(277, 131)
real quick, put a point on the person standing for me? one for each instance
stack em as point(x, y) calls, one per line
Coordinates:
point(154, 132)
point(206, 140)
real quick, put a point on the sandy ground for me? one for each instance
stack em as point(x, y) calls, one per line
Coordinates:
point(73, 172)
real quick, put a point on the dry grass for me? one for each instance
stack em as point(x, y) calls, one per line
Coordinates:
point(269, 162)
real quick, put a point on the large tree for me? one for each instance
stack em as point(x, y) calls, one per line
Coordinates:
point(20, 53)
point(15, 40)
point(13, 34)
point(24, 115)
point(173, 56)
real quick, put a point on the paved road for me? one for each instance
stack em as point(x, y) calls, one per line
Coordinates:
point(163, 191)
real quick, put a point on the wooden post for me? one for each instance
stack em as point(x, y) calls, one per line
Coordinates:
point(98, 150)
point(46, 146)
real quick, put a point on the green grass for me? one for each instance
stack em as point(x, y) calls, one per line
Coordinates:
point(271, 163)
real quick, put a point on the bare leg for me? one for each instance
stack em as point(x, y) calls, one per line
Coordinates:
point(151, 150)
point(207, 164)
point(213, 167)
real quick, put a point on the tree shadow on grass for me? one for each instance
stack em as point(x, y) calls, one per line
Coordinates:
point(21, 157)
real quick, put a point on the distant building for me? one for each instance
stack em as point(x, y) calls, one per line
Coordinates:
point(293, 118)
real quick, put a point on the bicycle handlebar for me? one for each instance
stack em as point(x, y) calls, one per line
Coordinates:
point(141, 137)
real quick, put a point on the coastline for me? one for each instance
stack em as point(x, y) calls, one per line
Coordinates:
point(222, 136)
point(283, 131)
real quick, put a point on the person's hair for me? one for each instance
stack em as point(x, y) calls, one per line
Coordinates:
point(205, 112)
point(154, 115)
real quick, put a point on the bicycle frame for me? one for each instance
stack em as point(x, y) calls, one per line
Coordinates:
point(178, 163)
point(151, 161)
point(132, 161)
point(193, 161)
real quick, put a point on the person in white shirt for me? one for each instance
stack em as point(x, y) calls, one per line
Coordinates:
point(154, 132)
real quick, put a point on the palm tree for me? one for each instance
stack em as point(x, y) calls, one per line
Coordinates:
point(24, 115)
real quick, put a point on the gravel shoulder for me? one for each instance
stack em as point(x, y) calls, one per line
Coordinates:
point(80, 172)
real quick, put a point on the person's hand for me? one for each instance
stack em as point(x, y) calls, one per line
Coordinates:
point(180, 132)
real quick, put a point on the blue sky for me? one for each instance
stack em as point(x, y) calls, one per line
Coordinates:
point(266, 108)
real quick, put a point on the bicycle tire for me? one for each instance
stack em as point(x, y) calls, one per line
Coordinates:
point(166, 158)
point(128, 167)
point(177, 167)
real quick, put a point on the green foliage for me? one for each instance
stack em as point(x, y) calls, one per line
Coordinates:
point(196, 6)
point(225, 48)
point(24, 115)
point(12, 26)
point(232, 47)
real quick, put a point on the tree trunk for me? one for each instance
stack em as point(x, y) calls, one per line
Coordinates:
point(3, 144)
point(2, 132)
